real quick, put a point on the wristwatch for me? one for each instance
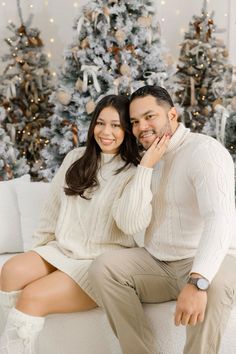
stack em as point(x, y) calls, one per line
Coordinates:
point(200, 283)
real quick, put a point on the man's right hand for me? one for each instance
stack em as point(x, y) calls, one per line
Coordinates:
point(155, 151)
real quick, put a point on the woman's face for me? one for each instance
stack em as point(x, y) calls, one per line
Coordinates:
point(108, 132)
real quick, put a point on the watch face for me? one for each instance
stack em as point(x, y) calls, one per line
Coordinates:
point(202, 284)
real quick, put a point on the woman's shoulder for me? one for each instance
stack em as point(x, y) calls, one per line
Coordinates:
point(72, 156)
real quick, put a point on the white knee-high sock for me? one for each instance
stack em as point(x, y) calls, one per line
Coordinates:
point(20, 333)
point(7, 301)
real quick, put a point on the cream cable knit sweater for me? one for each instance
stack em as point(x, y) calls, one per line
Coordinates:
point(83, 228)
point(191, 194)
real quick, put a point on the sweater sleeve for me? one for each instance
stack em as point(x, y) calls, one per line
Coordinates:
point(132, 211)
point(213, 180)
point(45, 231)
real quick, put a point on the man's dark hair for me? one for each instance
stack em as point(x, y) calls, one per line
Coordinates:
point(161, 95)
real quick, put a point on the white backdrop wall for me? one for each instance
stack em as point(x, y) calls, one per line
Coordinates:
point(55, 18)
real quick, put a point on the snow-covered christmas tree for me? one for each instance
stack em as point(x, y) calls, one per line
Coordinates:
point(25, 88)
point(203, 71)
point(116, 49)
point(10, 165)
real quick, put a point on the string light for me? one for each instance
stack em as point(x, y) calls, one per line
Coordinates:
point(51, 20)
point(75, 4)
point(52, 40)
point(3, 4)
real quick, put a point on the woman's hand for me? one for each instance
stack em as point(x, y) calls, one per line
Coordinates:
point(155, 151)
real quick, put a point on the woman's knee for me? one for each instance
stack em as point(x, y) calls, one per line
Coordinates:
point(12, 273)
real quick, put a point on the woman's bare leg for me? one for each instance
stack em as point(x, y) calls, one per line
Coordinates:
point(54, 293)
point(22, 269)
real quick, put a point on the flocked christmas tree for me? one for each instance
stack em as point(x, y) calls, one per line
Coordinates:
point(10, 165)
point(116, 49)
point(203, 71)
point(26, 85)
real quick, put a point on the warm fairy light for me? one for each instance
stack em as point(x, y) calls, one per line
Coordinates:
point(177, 12)
point(31, 6)
point(51, 20)
point(226, 14)
point(52, 40)
point(46, 3)
point(75, 4)
point(163, 2)
point(49, 55)
point(3, 4)
point(163, 20)
point(54, 73)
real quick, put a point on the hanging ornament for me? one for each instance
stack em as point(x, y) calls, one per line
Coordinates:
point(84, 43)
point(79, 85)
point(120, 36)
point(90, 70)
point(106, 11)
point(75, 138)
point(225, 53)
point(90, 106)
point(124, 69)
point(216, 102)
point(64, 97)
point(145, 21)
point(203, 91)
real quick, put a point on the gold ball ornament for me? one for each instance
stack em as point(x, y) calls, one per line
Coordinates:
point(84, 43)
point(106, 11)
point(205, 112)
point(203, 91)
point(64, 97)
point(216, 102)
point(124, 69)
point(79, 85)
point(145, 21)
point(233, 103)
point(90, 106)
point(120, 36)
point(225, 53)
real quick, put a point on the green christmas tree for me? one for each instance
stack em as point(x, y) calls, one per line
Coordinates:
point(202, 71)
point(25, 88)
point(116, 49)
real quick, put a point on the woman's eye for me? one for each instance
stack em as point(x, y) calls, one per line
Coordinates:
point(115, 125)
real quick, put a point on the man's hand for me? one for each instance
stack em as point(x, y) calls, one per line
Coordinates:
point(191, 306)
point(155, 151)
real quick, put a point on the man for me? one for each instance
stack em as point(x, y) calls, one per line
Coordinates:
point(187, 199)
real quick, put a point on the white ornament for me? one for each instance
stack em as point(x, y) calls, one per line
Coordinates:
point(64, 97)
point(92, 71)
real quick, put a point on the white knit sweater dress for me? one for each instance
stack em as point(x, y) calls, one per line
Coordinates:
point(73, 231)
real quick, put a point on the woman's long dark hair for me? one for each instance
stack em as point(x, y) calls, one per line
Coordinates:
point(82, 174)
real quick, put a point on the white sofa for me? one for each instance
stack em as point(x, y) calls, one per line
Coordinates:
point(86, 332)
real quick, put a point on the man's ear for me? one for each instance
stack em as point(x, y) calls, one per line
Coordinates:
point(172, 114)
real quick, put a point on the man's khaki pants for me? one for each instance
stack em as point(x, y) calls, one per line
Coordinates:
point(124, 279)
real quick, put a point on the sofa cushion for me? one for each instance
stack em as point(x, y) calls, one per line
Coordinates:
point(10, 226)
point(31, 197)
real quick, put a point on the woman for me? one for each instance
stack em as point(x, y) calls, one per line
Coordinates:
point(77, 224)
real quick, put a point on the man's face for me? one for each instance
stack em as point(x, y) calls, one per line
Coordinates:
point(150, 120)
